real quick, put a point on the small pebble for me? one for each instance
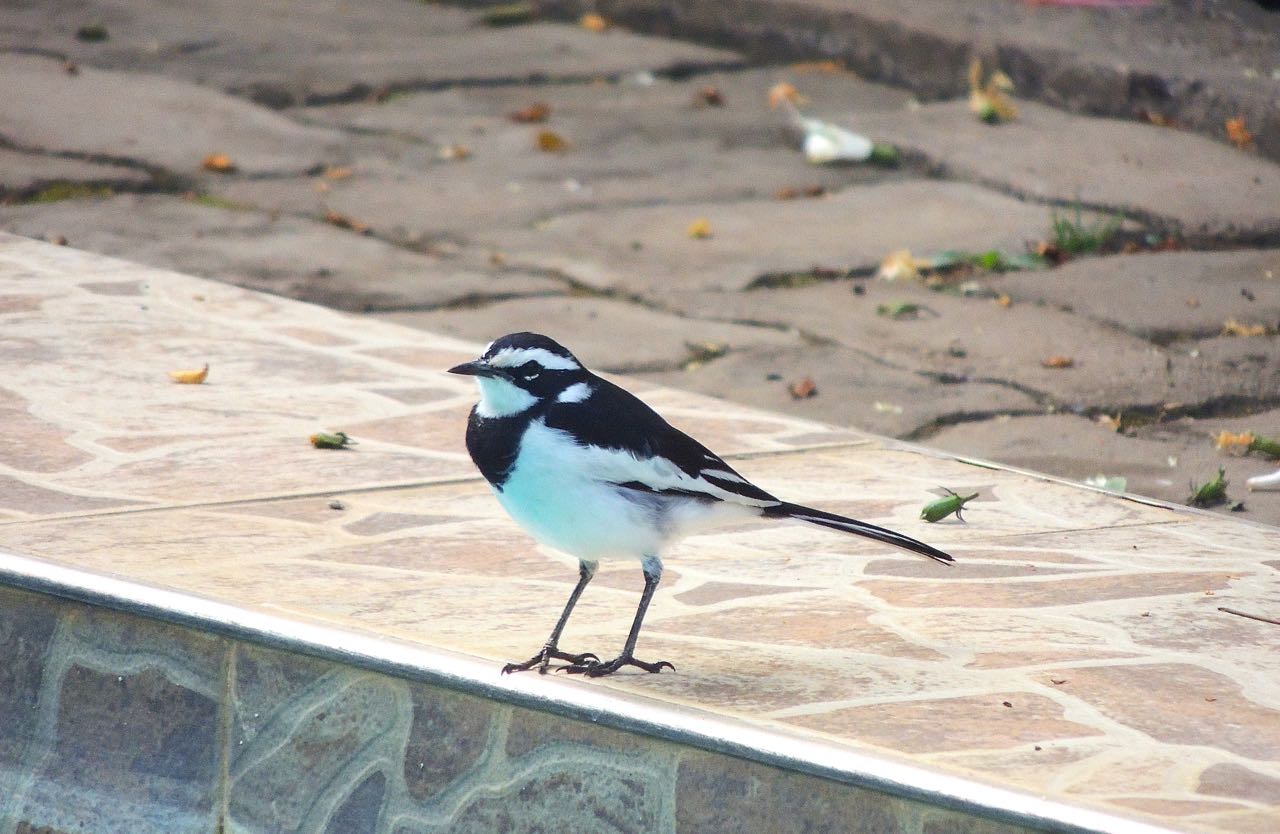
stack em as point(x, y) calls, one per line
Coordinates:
point(335, 504)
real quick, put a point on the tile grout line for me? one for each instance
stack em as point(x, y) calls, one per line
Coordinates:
point(358, 490)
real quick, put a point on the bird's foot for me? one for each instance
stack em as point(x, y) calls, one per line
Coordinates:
point(598, 669)
point(543, 659)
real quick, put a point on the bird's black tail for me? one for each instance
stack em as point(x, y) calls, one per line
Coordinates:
point(852, 525)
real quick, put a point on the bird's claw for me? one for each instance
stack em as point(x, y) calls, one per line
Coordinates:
point(596, 669)
point(543, 659)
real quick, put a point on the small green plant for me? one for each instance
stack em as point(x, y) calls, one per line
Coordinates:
point(1210, 494)
point(1073, 236)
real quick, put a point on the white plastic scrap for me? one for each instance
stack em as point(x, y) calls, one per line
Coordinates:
point(1265, 482)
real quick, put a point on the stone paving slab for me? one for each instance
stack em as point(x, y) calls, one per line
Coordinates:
point(964, 338)
point(1076, 649)
point(162, 120)
point(1160, 296)
point(596, 324)
point(292, 59)
point(1160, 460)
point(1205, 190)
point(852, 388)
point(1198, 65)
point(852, 229)
point(629, 144)
point(294, 256)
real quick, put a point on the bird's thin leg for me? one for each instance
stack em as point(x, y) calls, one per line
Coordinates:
point(596, 669)
point(551, 649)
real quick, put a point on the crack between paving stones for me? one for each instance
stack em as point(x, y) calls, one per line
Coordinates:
point(363, 91)
point(161, 179)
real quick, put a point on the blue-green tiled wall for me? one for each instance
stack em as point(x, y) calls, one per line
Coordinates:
point(113, 723)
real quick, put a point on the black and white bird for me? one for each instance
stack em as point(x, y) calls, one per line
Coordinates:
point(588, 469)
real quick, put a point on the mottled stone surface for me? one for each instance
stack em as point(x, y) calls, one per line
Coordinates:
point(1094, 617)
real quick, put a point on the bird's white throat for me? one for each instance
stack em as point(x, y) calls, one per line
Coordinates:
point(501, 398)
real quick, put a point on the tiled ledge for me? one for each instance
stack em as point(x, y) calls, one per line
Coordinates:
point(1072, 673)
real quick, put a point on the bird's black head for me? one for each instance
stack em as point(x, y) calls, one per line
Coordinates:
point(521, 369)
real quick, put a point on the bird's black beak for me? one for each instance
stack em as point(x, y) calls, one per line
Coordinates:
point(477, 368)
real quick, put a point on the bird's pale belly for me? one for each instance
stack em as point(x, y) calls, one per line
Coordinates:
point(583, 518)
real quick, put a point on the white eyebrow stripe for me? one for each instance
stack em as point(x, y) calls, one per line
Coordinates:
point(575, 393)
point(513, 357)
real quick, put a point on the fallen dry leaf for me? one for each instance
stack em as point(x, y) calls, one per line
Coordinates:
point(790, 193)
point(593, 22)
point(453, 152)
point(1108, 421)
point(1004, 300)
point(219, 163)
point(783, 91)
point(1233, 442)
point(699, 229)
point(819, 67)
point(342, 221)
point(901, 265)
point(191, 377)
point(1231, 327)
point(336, 172)
point(1051, 252)
point(990, 100)
point(531, 113)
point(709, 95)
point(551, 142)
point(1151, 117)
point(803, 389)
point(1238, 134)
point(1058, 361)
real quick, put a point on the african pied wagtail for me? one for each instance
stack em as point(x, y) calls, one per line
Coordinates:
point(588, 469)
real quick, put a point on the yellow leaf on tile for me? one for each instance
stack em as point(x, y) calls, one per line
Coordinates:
point(699, 229)
point(194, 376)
point(551, 142)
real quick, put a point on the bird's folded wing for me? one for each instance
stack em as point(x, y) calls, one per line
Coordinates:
point(624, 442)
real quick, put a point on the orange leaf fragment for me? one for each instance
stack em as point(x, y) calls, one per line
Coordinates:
point(551, 142)
point(453, 152)
point(783, 91)
point(699, 229)
point(819, 67)
point(593, 22)
point(336, 172)
point(1238, 134)
point(1004, 300)
point(531, 113)
point(709, 95)
point(1058, 361)
point(194, 376)
point(803, 389)
point(219, 163)
point(1233, 442)
point(342, 221)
